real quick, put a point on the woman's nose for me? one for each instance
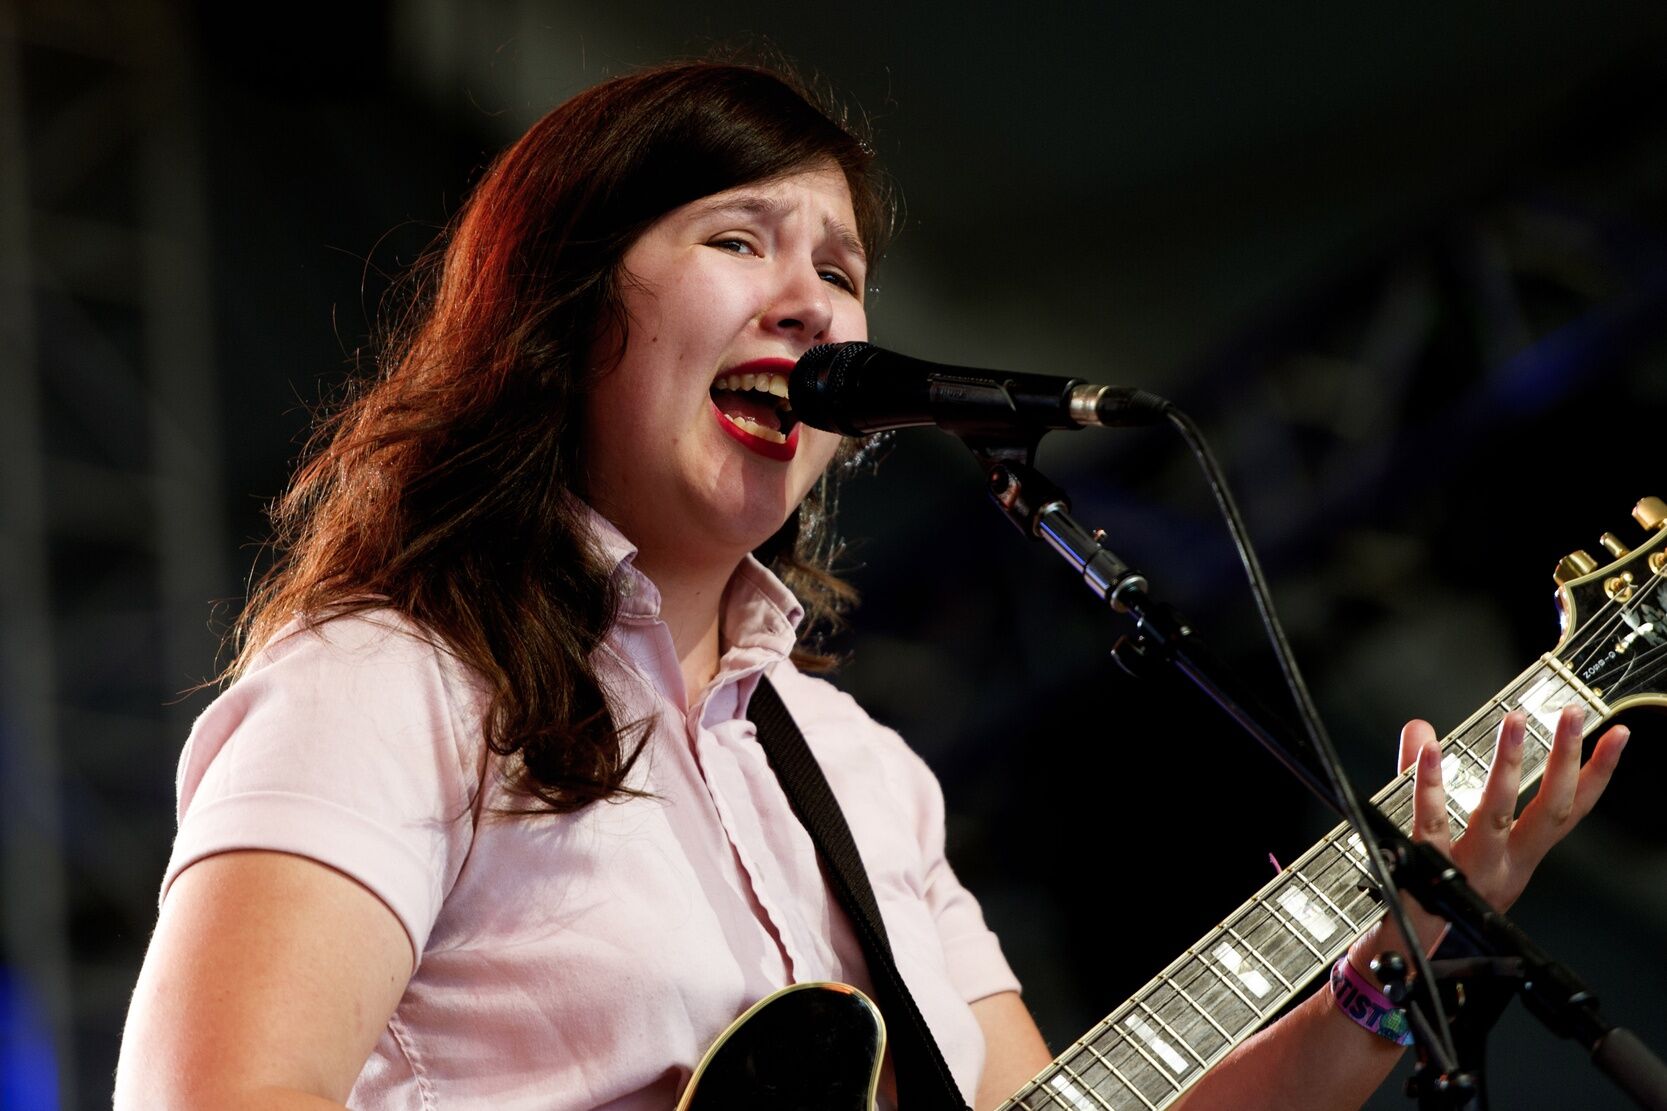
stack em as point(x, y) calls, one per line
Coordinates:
point(802, 306)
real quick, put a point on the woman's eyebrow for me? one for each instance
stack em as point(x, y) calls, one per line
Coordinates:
point(758, 206)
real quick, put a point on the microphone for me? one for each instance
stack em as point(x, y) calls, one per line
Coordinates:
point(857, 388)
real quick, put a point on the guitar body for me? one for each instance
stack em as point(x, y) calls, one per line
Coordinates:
point(809, 1047)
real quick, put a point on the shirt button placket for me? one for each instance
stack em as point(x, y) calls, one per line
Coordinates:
point(724, 781)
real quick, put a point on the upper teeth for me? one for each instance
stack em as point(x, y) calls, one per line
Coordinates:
point(775, 384)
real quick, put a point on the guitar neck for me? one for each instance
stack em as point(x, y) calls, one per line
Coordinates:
point(1154, 1047)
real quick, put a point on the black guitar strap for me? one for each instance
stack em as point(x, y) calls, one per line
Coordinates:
point(923, 1079)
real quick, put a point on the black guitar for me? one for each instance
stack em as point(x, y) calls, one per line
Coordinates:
point(818, 1047)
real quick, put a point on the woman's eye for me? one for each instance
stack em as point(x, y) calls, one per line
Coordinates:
point(840, 279)
point(733, 245)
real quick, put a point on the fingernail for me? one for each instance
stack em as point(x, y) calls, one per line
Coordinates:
point(1511, 739)
point(1620, 742)
point(1429, 760)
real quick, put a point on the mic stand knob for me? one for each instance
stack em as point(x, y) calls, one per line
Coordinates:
point(1438, 1083)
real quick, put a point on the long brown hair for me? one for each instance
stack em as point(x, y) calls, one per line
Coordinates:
point(448, 486)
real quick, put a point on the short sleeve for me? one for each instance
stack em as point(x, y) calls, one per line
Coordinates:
point(972, 951)
point(355, 744)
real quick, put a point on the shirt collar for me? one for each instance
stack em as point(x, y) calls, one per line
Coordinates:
point(758, 609)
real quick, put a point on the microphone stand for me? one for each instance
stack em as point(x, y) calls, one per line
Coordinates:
point(1550, 991)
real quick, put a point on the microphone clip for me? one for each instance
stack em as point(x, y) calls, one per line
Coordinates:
point(1042, 511)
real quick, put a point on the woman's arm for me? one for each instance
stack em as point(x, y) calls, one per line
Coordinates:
point(1014, 1049)
point(268, 982)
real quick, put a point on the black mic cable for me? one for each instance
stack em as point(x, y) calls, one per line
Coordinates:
point(857, 389)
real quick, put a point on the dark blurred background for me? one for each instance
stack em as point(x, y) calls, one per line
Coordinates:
point(1406, 264)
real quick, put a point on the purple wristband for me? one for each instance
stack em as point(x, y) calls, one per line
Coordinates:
point(1368, 1007)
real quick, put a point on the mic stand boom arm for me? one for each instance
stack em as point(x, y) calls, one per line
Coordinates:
point(1551, 992)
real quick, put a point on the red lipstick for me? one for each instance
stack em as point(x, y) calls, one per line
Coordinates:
point(767, 448)
point(764, 366)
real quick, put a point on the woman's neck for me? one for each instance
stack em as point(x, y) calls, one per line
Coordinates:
point(691, 605)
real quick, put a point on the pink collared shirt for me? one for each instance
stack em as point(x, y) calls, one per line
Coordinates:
point(585, 960)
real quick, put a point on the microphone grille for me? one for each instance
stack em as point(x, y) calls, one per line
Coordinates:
point(818, 382)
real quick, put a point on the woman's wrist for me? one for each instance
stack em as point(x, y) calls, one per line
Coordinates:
point(1355, 989)
point(1386, 937)
point(1361, 1001)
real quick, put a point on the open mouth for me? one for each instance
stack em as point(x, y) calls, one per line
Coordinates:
point(755, 402)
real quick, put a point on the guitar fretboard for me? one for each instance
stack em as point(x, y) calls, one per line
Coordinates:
point(1222, 989)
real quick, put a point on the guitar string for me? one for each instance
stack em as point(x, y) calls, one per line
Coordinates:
point(1358, 908)
point(1598, 631)
point(1608, 619)
point(1587, 643)
point(1190, 973)
point(1270, 938)
point(1650, 662)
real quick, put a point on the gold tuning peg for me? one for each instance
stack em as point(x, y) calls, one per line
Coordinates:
point(1573, 566)
point(1612, 544)
point(1650, 513)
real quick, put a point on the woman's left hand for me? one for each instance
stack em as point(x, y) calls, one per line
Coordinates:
point(1316, 1056)
point(1499, 850)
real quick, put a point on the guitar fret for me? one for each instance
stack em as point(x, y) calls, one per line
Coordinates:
point(1138, 1060)
point(1481, 737)
point(1074, 1089)
point(1534, 679)
point(1184, 1016)
point(1158, 1066)
point(1051, 1099)
point(1227, 982)
point(1464, 784)
point(1267, 964)
point(1596, 707)
point(1125, 1081)
point(1365, 900)
point(1543, 738)
point(1156, 1016)
point(1267, 940)
point(1352, 850)
point(1168, 1029)
point(1347, 866)
point(1037, 1090)
point(1087, 1069)
point(1046, 1096)
point(1535, 731)
point(1335, 909)
point(1459, 739)
point(1305, 915)
point(1360, 910)
point(1400, 812)
point(1299, 919)
point(1291, 928)
point(1174, 985)
point(1557, 688)
point(1353, 881)
point(1467, 781)
point(1278, 942)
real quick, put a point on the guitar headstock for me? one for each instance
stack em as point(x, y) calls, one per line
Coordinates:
point(1614, 616)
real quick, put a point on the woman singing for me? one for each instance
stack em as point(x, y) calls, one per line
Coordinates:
point(481, 822)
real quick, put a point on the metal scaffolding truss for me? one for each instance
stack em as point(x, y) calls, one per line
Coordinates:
point(110, 525)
